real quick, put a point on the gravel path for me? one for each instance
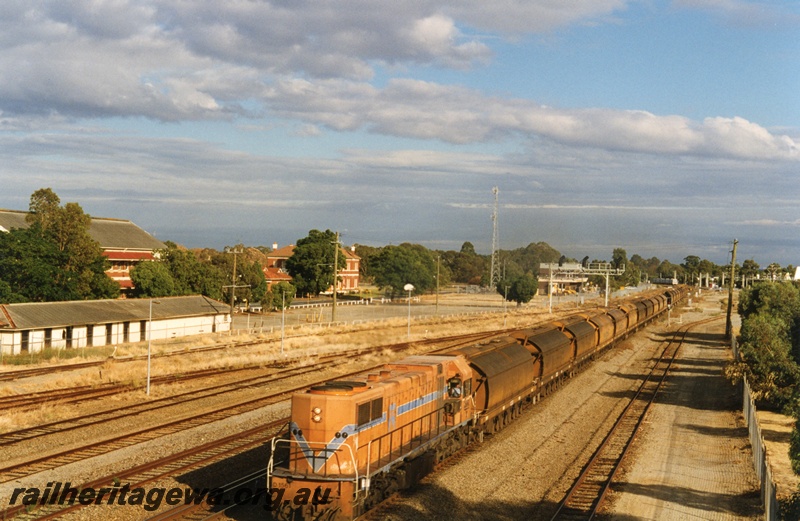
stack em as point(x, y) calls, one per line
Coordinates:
point(694, 460)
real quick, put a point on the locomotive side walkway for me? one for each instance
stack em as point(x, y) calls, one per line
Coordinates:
point(693, 460)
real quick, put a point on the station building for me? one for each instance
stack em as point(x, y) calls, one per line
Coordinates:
point(124, 243)
point(561, 278)
point(32, 326)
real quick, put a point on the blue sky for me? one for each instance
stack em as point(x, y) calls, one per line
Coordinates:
point(667, 128)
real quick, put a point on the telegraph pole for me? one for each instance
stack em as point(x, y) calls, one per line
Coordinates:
point(335, 275)
point(438, 258)
point(233, 280)
point(728, 320)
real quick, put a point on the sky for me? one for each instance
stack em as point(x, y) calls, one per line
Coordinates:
point(667, 128)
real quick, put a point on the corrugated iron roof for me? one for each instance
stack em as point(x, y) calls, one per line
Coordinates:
point(115, 234)
point(42, 315)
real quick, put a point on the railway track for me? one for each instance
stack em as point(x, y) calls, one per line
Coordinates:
point(89, 392)
point(190, 398)
point(151, 472)
point(584, 499)
point(19, 374)
point(94, 391)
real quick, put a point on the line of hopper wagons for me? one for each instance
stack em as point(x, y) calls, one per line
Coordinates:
point(352, 443)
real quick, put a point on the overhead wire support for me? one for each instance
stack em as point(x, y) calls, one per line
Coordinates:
point(604, 269)
point(494, 270)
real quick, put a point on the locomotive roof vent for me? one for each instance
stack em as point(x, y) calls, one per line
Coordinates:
point(339, 386)
point(377, 377)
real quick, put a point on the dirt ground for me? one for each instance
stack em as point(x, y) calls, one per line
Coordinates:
point(693, 460)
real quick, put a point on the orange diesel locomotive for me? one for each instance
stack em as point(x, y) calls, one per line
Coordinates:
point(351, 444)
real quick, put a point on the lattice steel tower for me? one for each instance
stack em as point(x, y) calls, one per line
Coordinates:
point(494, 273)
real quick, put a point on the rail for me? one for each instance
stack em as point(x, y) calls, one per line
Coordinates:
point(587, 494)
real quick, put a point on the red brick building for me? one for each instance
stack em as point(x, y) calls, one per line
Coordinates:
point(124, 243)
point(348, 279)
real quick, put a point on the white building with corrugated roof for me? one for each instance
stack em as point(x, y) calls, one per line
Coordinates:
point(30, 327)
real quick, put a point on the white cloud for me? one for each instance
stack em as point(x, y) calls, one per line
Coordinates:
point(308, 62)
point(424, 110)
point(118, 57)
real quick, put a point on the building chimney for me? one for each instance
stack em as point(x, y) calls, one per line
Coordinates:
point(274, 245)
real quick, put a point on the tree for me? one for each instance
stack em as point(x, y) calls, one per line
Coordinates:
point(83, 266)
point(691, 264)
point(31, 268)
point(619, 260)
point(280, 296)
point(705, 266)
point(749, 270)
point(766, 349)
point(7, 295)
point(520, 289)
point(152, 279)
point(43, 209)
point(366, 254)
point(190, 275)
point(669, 270)
point(311, 264)
point(252, 276)
point(465, 266)
point(468, 249)
point(407, 263)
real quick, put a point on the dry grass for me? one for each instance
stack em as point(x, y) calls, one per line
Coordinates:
point(302, 346)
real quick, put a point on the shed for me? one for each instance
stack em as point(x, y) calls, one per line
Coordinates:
point(33, 326)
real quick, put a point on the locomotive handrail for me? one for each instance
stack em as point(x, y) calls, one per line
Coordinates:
point(422, 437)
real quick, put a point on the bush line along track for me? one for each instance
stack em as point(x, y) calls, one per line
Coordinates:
point(588, 493)
point(94, 449)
